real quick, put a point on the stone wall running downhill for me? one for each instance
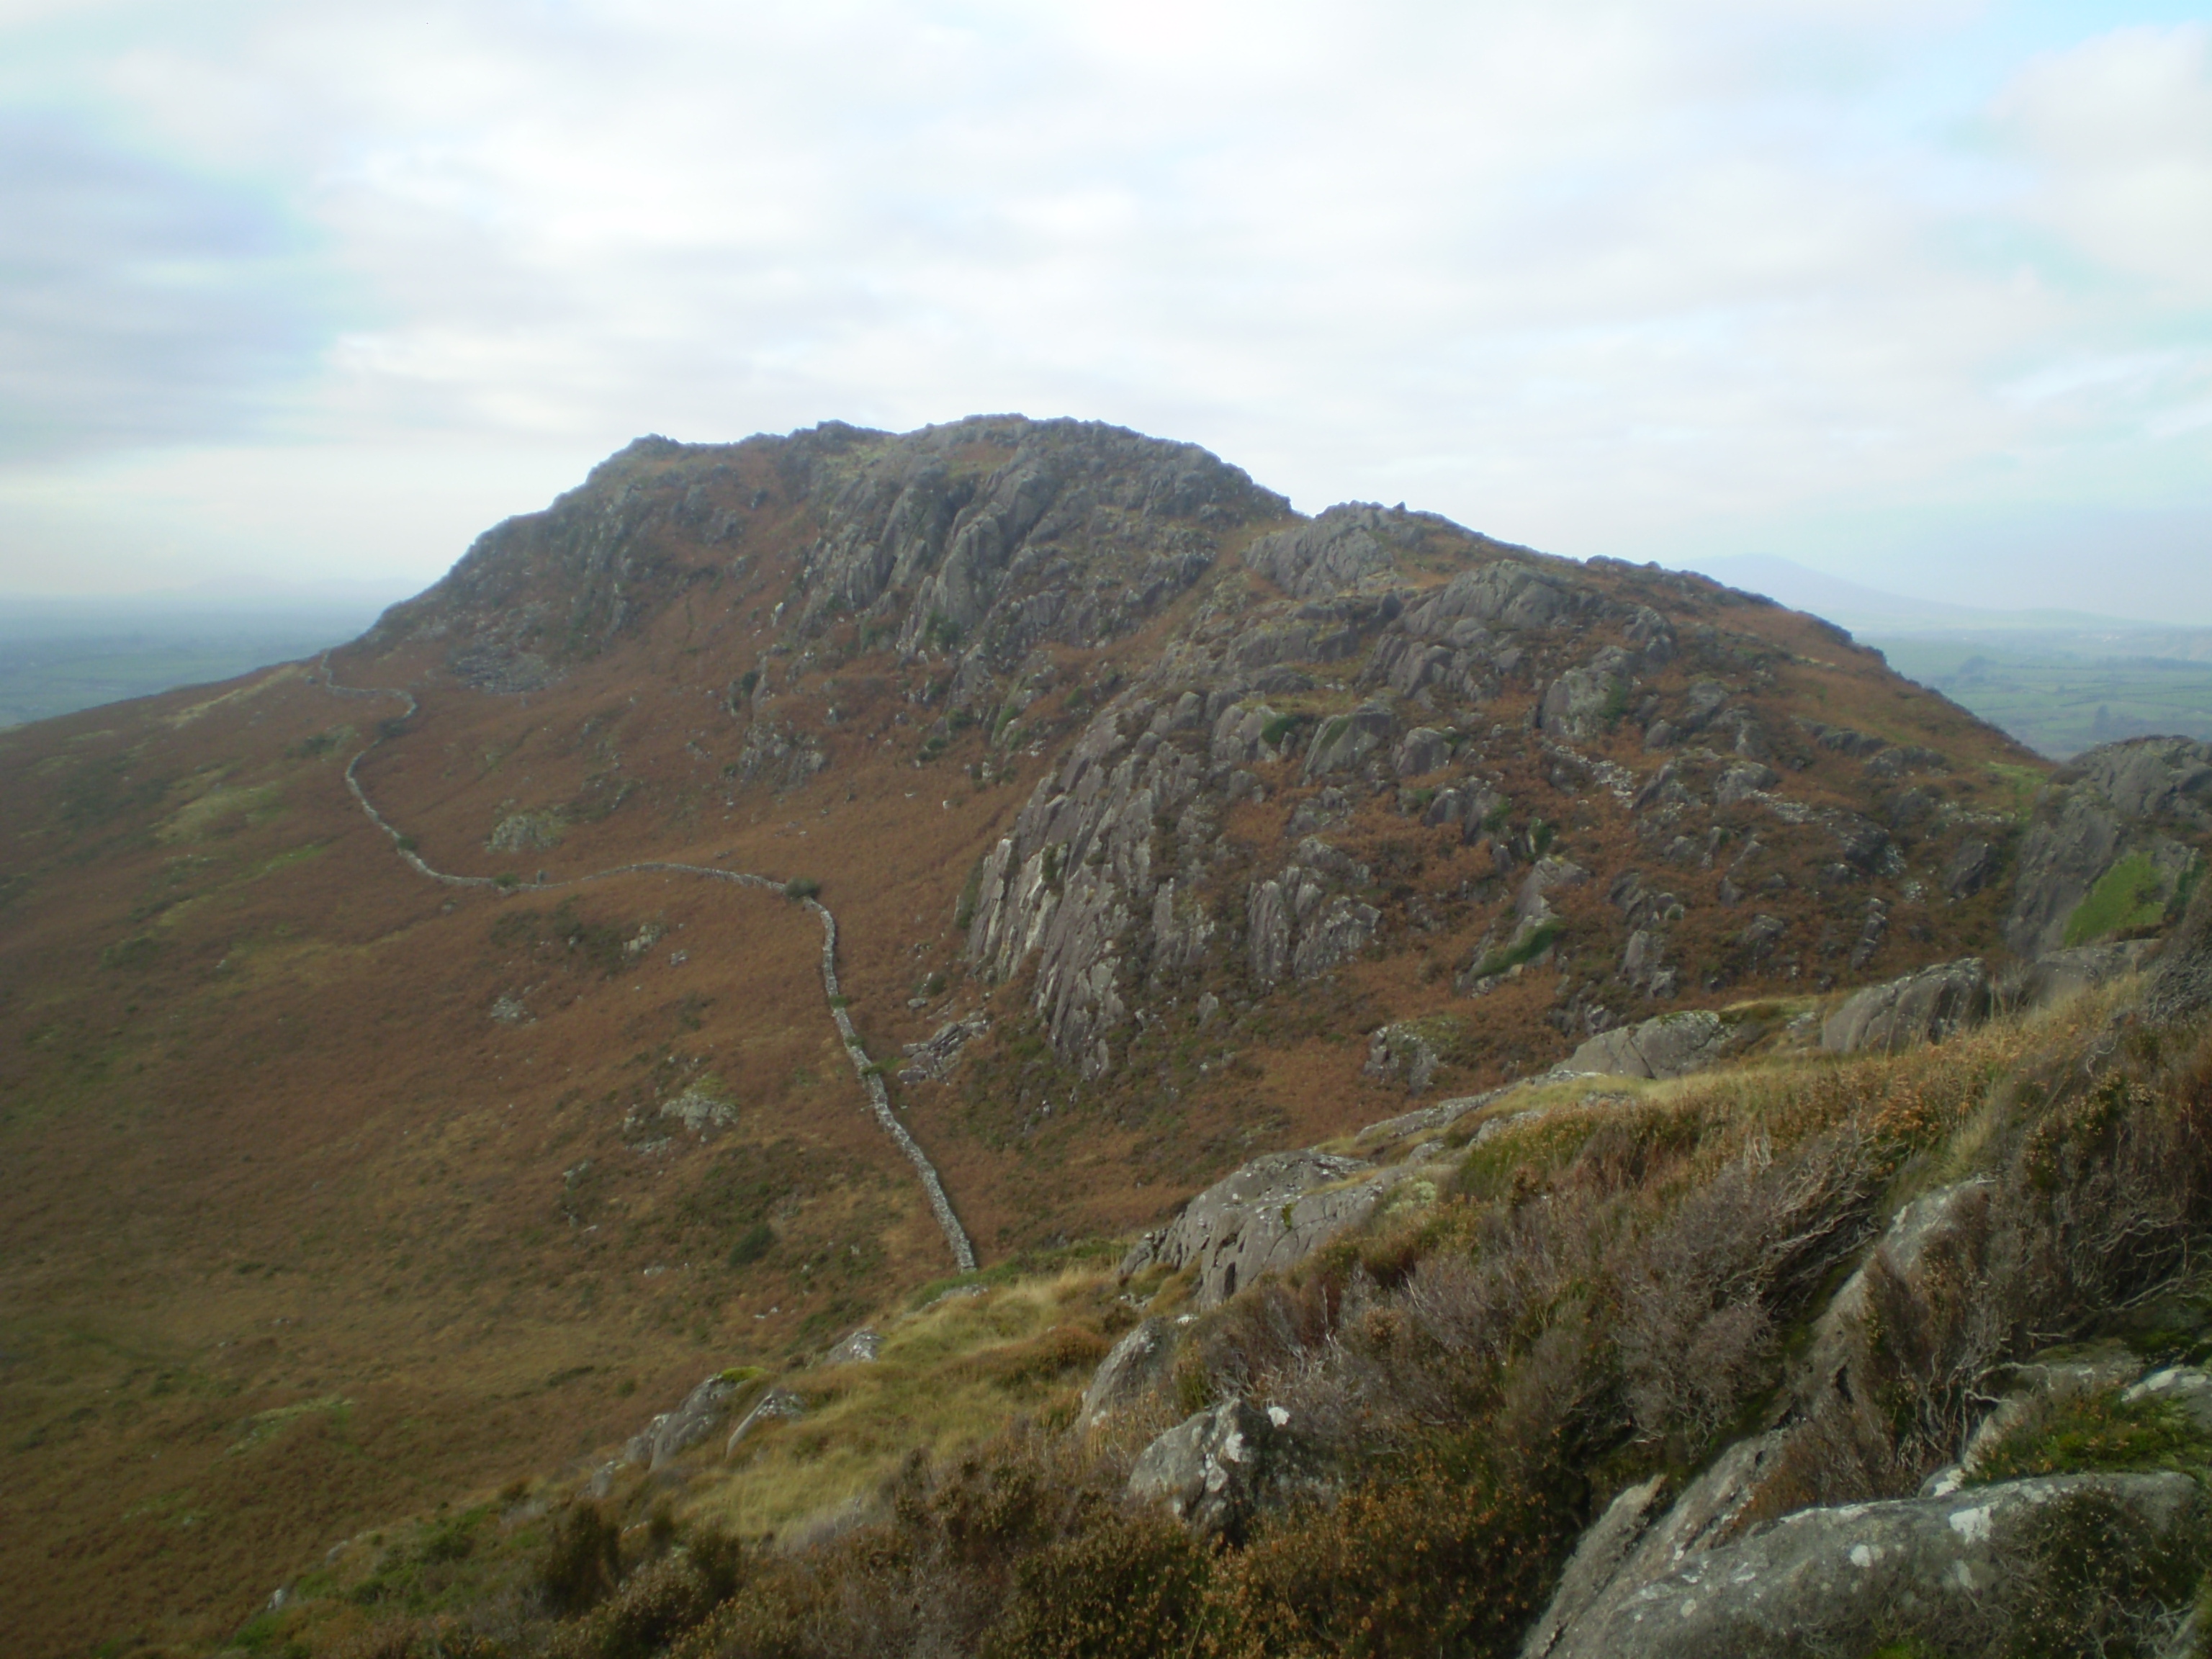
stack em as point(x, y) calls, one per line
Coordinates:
point(955, 1235)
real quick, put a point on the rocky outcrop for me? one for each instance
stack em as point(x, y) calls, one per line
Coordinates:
point(1075, 530)
point(777, 756)
point(1409, 1051)
point(1215, 1469)
point(1131, 1367)
point(1930, 1229)
point(776, 1405)
point(1638, 1541)
point(2112, 814)
point(1926, 1006)
point(1845, 1580)
point(1672, 1045)
point(673, 1432)
point(1300, 925)
point(932, 1059)
point(1267, 1215)
point(1345, 548)
point(861, 1348)
point(2183, 985)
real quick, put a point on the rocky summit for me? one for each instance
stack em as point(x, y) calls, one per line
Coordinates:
point(868, 1042)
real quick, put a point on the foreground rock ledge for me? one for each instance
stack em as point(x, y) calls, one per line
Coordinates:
point(1846, 1579)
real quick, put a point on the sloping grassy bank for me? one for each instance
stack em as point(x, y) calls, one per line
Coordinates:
point(1612, 1281)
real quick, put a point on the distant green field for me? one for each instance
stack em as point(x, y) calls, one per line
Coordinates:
point(2056, 701)
point(42, 677)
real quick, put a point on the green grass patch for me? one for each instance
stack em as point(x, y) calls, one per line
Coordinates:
point(2130, 894)
point(1529, 946)
point(2096, 1431)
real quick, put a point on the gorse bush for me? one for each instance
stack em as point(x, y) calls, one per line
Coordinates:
point(583, 1559)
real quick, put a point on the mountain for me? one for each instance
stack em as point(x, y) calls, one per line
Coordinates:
point(779, 867)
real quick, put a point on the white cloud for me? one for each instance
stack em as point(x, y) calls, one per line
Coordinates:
point(2121, 129)
point(1602, 277)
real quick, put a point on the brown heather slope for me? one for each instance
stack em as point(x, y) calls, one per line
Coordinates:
point(331, 1190)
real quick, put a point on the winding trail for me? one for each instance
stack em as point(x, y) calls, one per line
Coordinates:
point(955, 1235)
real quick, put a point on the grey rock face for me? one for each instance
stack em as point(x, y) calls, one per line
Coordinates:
point(861, 1348)
point(1969, 868)
point(1004, 559)
point(1300, 927)
point(1343, 548)
point(1267, 1215)
point(1844, 1579)
point(1926, 1006)
point(1922, 1229)
point(2152, 778)
point(2182, 987)
point(776, 1403)
point(1130, 1369)
point(672, 1432)
point(2097, 810)
point(1211, 1470)
point(777, 756)
point(1420, 752)
point(1344, 742)
point(1638, 1541)
point(1672, 1045)
point(1411, 1050)
point(1583, 702)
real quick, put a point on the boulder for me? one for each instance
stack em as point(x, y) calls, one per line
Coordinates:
point(1344, 740)
point(673, 1432)
point(1213, 1469)
point(1968, 870)
point(1132, 1366)
point(1410, 1050)
point(1420, 752)
point(1847, 1579)
point(1924, 1006)
point(1671, 1045)
point(861, 1348)
point(1582, 703)
point(1266, 1216)
point(774, 1404)
point(1637, 1542)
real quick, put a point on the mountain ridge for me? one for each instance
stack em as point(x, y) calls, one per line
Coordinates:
point(1165, 827)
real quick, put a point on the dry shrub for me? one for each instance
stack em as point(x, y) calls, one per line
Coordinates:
point(659, 1602)
point(1043, 1358)
point(2103, 1201)
point(1433, 1555)
point(582, 1561)
point(1704, 1296)
point(420, 1638)
point(1128, 1587)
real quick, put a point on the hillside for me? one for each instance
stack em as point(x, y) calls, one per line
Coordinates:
point(1160, 827)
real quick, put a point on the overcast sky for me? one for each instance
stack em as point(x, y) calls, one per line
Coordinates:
point(1919, 294)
